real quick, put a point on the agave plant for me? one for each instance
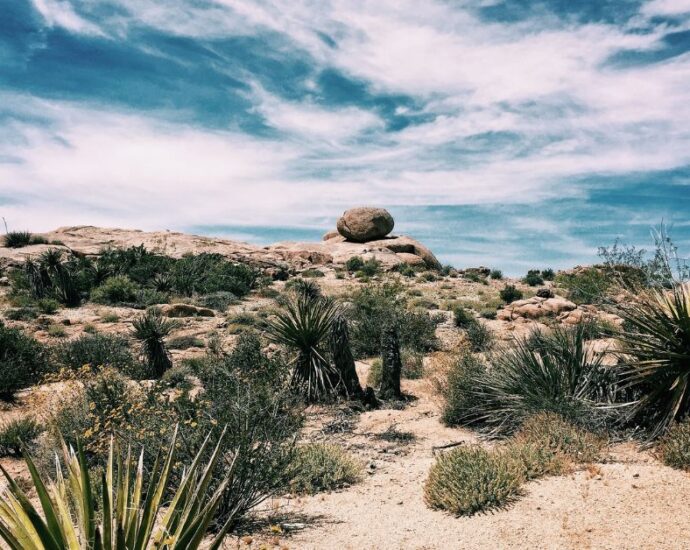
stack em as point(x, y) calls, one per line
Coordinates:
point(656, 356)
point(151, 329)
point(304, 326)
point(130, 511)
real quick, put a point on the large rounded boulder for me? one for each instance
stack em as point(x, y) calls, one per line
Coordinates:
point(365, 224)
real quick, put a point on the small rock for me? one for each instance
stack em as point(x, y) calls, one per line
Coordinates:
point(545, 293)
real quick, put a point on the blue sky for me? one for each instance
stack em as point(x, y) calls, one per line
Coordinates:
point(510, 133)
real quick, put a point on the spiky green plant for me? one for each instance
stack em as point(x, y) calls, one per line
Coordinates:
point(17, 239)
point(552, 371)
point(151, 329)
point(130, 511)
point(656, 353)
point(303, 326)
point(344, 363)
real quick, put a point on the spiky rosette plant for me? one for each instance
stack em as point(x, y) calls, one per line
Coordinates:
point(303, 326)
point(656, 356)
point(151, 329)
point(130, 512)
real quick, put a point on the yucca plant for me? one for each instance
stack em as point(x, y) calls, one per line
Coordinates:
point(304, 325)
point(152, 329)
point(549, 371)
point(656, 356)
point(129, 514)
point(17, 239)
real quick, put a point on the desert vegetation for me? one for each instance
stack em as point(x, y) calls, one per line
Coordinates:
point(258, 381)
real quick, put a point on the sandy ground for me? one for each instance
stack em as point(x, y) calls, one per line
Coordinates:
point(630, 502)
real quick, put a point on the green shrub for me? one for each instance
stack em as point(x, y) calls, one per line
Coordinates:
point(462, 317)
point(308, 289)
point(48, 305)
point(220, 301)
point(479, 337)
point(96, 350)
point(406, 270)
point(546, 372)
point(115, 290)
point(110, 317)
point(21, 314)
point(57, 331)
point(459, 397)
point(370, 268)
point(550, 431)
point(548, 274)
point(312, 273)
point(17, 239)
point(178, 377)
point(90, 328)
point(53, 275)
point(488, 313)
point(496, 274)
point(533, 278)
point(353, 264)
point(23, 361)
point(17, 434)
point(208, 273)
point(470, 479)
point(185, 342)
point(510, 294)
point(673, 448)
point(319, 467)
point(655, 350)
point(373, 307)
point(589, 285)
point(429, 277)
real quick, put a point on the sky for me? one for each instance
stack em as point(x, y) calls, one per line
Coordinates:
point(514, 133)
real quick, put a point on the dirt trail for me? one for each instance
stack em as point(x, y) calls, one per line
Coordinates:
point(632, 502)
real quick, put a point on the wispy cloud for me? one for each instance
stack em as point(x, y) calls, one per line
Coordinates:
point(176, 113)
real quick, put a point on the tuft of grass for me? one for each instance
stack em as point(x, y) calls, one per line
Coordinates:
point(479, 336)
point(57, 331)
point(16, 434)
point(185, 342)
point(462, 317)
point(673, 448)
point(471, 479)
point(393, 435)
point(17, 239)
point(312, 273)
point(319, 467)
point(110, 318)
point(48, 305)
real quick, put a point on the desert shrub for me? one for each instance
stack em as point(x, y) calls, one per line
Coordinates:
point(220, 301)
point(18, 434)
point(17, 239)
point(308, 289)
point(496, 274)
point(23, 361)
point(588, 285)
point(533, 278)
point(57, 331)
point(242, 318)
point(510, 294)
point(147, 297)
point(369, 268)
point(488, 313)
point(141, 266)
point(546, 372)
point(178, 377)
point(462, 317)
point(53, 275)
point(96, 350)
point(428, 276)
point(548, 274)
point(406, 270)
point(470, 479)
point(655, 350)
point(412, 364)
point(550, 431)
point(208, 273)
point(373, 307)
point(479, 337)
point(151, 329)
point(48, 305)
point(185, 342)
point(115, 290)
point(110, 317)
point(312, 273)
point(21, 314)
point(90, 328)
point(459, 398)
point(319, 467)
point(673, 448)
point(353, 264)
point(424, 303)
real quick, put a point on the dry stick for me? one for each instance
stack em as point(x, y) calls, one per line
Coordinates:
point(436, 448)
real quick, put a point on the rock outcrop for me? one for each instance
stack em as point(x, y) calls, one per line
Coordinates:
point(365, 223)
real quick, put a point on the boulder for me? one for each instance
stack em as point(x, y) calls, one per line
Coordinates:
point(403, 244)
point(364, 224)
point(186, 310)
point(331, 235)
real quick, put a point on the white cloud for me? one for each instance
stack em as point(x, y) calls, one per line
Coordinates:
point(666, 7)
point(60, 13)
